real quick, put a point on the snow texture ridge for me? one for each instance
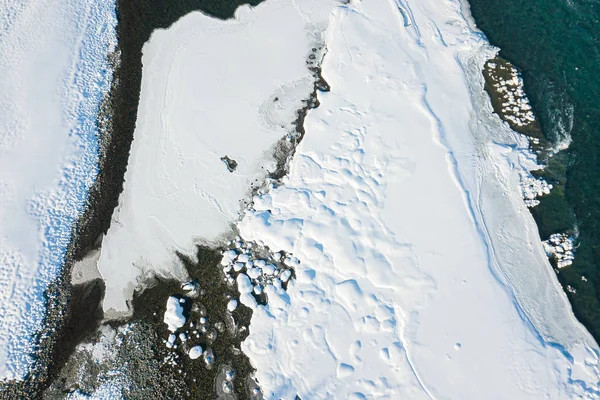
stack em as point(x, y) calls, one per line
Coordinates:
point(55, 73)
point(408, 283)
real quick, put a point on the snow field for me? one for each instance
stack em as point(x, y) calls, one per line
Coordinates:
point(400, 288)
point(177, 191)
point(55, 73)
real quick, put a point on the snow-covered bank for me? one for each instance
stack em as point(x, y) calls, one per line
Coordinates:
point(54, 75)
point(422, 274)
point(210, 89)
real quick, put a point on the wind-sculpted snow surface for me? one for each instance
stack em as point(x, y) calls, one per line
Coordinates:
point(421, 273)
point(55, 73)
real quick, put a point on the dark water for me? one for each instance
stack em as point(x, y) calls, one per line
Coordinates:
point(556, 44)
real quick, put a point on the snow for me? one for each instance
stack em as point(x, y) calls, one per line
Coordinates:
point(409, 231)
point(171, 341)
point(174, 317)
point(195, 352)
point(285, 275)
point(54, 76)
point(177, 192)
point(108, 390)
point(232, 305)
point(532, 188)
point(560, 247)
point(238, 266)
point(104, 354)
point(254, 273)
point(419, 271)
point(228, 257)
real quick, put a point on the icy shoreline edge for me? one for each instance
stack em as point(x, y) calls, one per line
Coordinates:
point(523, 162)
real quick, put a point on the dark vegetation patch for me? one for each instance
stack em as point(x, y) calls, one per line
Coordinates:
point(285, 148)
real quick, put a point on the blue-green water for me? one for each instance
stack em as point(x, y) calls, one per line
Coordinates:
point(556, 44)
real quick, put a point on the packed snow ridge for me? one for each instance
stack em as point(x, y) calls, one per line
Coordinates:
point(418, 270)
point(55, 74)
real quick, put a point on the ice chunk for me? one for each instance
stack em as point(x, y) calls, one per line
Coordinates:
point(228, 257)
point(174, 314)
point(232, 305)
point(195, 352)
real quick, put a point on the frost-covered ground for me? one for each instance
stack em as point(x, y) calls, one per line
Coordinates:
point(54, 75)
point(421, 273)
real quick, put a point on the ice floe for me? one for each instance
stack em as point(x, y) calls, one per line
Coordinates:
point(232, 305)
point(560, 247)
point(195, 352)
point(174, 317)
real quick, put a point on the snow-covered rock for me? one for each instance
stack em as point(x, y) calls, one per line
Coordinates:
point(174, 317)
point(532, 188)
point(515, 104)
point(195, 352)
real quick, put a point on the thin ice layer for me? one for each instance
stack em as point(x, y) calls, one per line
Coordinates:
point(408, 232)
point(55, 73)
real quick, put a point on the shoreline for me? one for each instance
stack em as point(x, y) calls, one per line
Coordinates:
point(550, 166)
point(135, 23)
